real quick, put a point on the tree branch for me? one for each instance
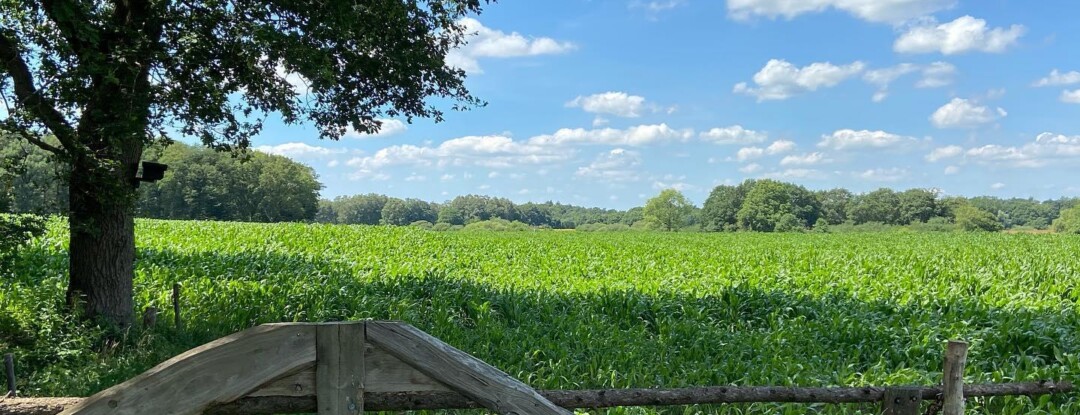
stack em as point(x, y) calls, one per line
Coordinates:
point(41, 143)
point(66, 15)
point(29, 96)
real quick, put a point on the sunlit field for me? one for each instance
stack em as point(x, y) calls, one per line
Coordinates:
point(564, 310)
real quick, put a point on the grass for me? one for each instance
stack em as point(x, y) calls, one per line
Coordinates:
point(597, 310)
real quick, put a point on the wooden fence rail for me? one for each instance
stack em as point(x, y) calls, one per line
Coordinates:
point(348, 368)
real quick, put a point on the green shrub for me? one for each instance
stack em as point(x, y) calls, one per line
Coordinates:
point(1068, 221)
point(973, 219)
point(15, 231)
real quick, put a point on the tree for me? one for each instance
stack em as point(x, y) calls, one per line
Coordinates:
point(834, 205)
point(769, 201)
point(721, 208)
point(669, 209)
point(450, 215)
point(881, 205)
point(971, 218)
point(108, 78)
point(1069, 221)
point(916, 205)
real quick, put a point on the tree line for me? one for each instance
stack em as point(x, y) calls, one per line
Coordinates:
point(200, 183)
point(255, 187)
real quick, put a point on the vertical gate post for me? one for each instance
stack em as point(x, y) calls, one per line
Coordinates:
point(339, 368)
point(953, 379)
point(902, 401)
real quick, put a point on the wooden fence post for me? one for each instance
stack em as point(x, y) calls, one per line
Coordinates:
point(176, 306)
point(339, 368)
point(9, 369)
point(953, 379)
point(902, 401)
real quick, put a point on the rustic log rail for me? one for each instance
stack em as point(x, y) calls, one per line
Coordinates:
point(348, 368)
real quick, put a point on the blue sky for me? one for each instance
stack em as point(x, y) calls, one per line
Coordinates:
point(606, 102)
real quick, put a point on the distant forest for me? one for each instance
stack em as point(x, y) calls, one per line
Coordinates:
point(254, 187)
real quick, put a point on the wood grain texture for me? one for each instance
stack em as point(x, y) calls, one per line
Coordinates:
point(339, 369)
point(952, 397)
point(902, 401)
point(462, 372)
point(220, 371)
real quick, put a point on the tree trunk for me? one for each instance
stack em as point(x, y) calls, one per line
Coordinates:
point(102, 245)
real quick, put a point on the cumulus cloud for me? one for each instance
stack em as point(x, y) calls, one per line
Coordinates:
point(616, 165)
point(657, 6)
point(388, 128)
point(299, 150)
point(942, 153)
point(882, 175)
point(734, 134)
point(963, 113)
point(487, 151)
point(965, 34)
point(805, 159)
point(848, 139)
point(795, 174)
point(619, 104)
point(484, 42)
point(634, 136)
point(750, 168)
point(950, 170)
point(997, 186)
point(934, 75)
point(1057, 78)
point(777, 147)
point(882, 11)
point(1047, 148)
point(1071, 97)
point(779, 79)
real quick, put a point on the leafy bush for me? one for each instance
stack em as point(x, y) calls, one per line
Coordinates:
point(973, 219)
point(16, 230)
point(497, 225)
point(1069, 221)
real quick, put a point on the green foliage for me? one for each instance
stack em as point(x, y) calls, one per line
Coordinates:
point(1069, 221)
point(721, 209)
point(576, 310)
point(206, 184)
point(971, 218)
point(669, 209)
point(881, 206)
point(404, 212)
point(31, 180)
point(15, 231)
point(770, 202)
point(497, 225)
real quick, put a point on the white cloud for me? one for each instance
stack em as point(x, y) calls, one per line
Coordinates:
point(1047, 148)
point(1071, 97)
point(299, 150)
point(997, 186)
point(805, 159)
point(942, 153)
point(887, 11)
point(1057, 78)
point(657, 6)
point(446, 177)
point(616, 165)
point(600, 122)
point(388, 128)
point(487, 151)
point(963, 113)
point(777, 147)
point(416, 178)
point(936, 75)
point(484, 42)
point(634, 136)
point(750, 168)
point(619, 104)
point(882, 175)
point(779, 79)
point(780, 146)
point(847, 139)
point(950, 170)
point(793, 174)
point(677, 185)
point(734, 134)
point(965, 34)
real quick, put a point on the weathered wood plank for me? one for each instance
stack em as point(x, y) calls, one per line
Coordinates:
point(220, 371)
point(902, 401)
point(339, 370)
point(600, 398)
point(327, 363)
point(460, 371)
point(382, 373)
point(953, 380)
point(351, 340)
point(386, 373)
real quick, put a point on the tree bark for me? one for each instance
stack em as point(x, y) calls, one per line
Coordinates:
point(102, 244)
